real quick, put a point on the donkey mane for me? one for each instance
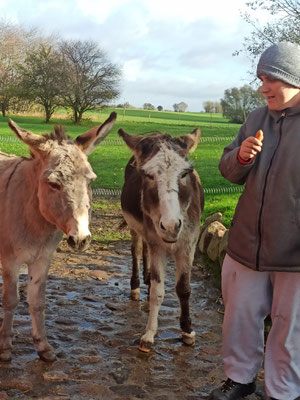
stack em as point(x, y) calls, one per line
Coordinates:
point(59, 135)
point(151, 143)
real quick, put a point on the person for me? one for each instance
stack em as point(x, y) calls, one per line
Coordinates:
point(260, 272)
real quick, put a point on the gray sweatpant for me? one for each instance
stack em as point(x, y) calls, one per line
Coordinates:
point(249, 296)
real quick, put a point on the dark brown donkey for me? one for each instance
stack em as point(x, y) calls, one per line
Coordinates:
point(162, 200)
point(41, 198)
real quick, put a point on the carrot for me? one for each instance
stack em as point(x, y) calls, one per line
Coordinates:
point(260, 135)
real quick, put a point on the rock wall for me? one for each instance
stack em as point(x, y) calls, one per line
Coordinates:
point(213, 238)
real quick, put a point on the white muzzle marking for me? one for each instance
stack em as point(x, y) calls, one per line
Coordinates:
point(80, 235)
point(170, 223)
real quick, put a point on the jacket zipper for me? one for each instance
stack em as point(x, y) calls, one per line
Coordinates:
point(280, 120)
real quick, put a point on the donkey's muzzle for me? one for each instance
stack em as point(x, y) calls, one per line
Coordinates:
point(170, 233)
point(79, 244)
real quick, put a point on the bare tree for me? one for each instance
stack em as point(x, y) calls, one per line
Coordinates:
point(90, 80)
point(40, 78)
point(14, 43)
point(284, 25)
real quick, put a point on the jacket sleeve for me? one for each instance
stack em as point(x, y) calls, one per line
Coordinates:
point(229, 166)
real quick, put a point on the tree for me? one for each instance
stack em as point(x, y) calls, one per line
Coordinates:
point(40, 78)
point(285, 25)
point(237, 103)
point(212, 107)
point(218, 107)
point(148, 106)
point(180, 107)
point(90, 80)
point(209, 106)
point(14, 43)
point(160, 108)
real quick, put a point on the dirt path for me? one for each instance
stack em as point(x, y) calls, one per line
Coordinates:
point(95, 329)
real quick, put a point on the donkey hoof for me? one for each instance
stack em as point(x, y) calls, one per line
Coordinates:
point(144, 347)
point(189, 338)
point(135, 294)
point(47, 356)
point(5, 355)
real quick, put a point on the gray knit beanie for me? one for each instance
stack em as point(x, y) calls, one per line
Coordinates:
point(281, 61)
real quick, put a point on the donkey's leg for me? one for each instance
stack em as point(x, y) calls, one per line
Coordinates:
point(37, 276)
point(146, 264)
point(136, 252)
point(157, 293)
point(184, 262)
point(183, 290)
point(10, 300)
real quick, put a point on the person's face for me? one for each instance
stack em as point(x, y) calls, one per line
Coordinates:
point(279, 95)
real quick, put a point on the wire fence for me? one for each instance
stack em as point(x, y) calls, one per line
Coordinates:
point(120, 142)
point(107, 193)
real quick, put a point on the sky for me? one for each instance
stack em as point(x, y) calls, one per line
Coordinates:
point(169, 51)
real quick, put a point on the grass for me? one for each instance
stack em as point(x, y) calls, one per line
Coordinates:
point(109, 160)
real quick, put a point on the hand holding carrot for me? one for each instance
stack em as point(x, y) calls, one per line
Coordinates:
point(251, 146)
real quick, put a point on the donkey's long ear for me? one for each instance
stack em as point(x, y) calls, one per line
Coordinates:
point(190, 141)
point(31, 139)
point(89, 140)
point(131, 140)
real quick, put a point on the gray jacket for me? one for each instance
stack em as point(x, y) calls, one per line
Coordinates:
point(265, 230)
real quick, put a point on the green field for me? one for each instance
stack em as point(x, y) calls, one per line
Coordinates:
point(111, 156)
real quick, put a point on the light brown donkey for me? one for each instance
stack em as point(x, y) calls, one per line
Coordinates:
point(41, 198)
point(162, 200)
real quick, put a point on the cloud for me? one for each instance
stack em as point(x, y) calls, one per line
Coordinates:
point(168, 51)
point(99, 11)
point(132, 70)
point(173, 89)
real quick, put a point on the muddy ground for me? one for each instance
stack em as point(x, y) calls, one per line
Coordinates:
point(95, 329)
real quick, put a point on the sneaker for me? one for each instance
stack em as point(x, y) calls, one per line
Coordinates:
point(231, 390)
point(273, 398)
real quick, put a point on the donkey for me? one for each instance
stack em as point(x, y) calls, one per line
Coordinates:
point(162, 200)
point(41, 198)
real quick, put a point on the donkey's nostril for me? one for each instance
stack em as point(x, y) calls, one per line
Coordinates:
point(179, 224)
point(162, 227)
point(71, 242)
point(85, 242)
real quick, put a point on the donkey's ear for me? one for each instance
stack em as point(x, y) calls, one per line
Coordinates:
point(31, 139)
point(190, 141)
point(132, 141)
point(89, 140)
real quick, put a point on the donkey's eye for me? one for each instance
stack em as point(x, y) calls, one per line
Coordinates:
point(184, 174)
point(148, 176)
point(54, 185)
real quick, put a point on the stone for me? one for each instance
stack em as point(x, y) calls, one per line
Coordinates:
point(213, 247)
point(208, 234)
point(212, 218)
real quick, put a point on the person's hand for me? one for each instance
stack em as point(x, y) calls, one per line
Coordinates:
point(249, 148)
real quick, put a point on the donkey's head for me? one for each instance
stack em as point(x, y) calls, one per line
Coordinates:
point(167, 178)
point(62, 176)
